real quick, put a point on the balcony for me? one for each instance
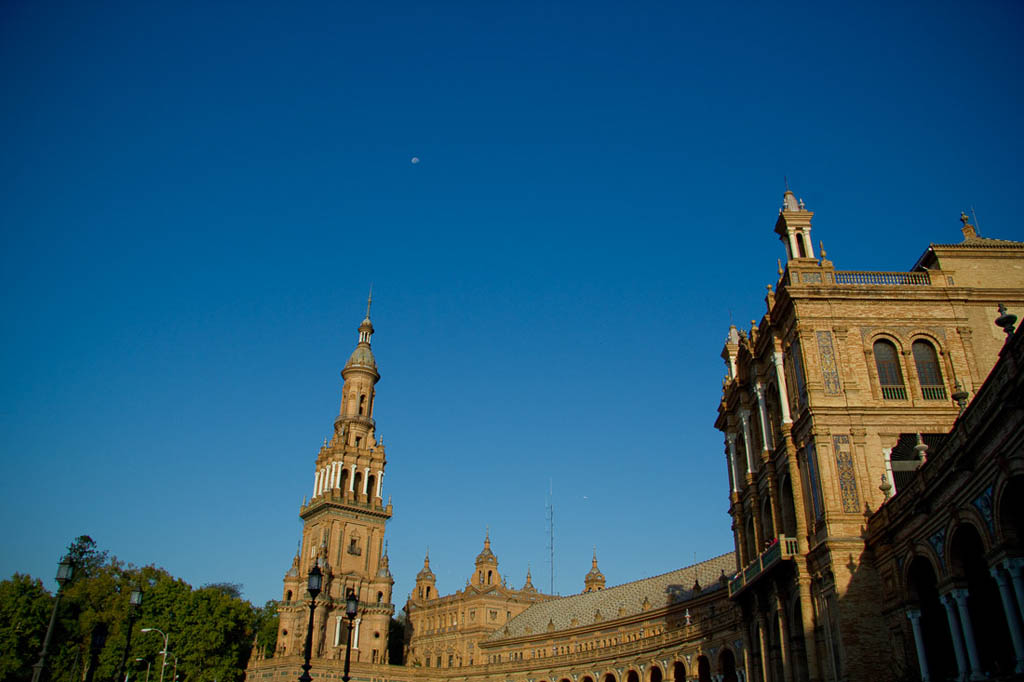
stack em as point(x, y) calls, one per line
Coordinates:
point(783, 550)
point(884, 278)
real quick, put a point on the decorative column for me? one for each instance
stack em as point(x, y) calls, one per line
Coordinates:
point(1015, 567)
point(780, 379)
point(762, 633)
point(922, 660)
point(958, 639)
point(1012, 617)
point(352, 480)
point(337, 631)
point(960, 595)
point(785, 644)
point(734, 474)
point(380, 483)
point(355, 634)
point(763, 412)
point(745, 419)
point(366, 479)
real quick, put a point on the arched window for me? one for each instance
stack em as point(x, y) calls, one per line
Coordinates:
point(890, 377)
point(362, 404)
point(371, 488)
point(489, 574)
point(800, 253)
point(358, 487)
point(344, 480)
point(928, 371)
point(767, 525)
point(380, 597)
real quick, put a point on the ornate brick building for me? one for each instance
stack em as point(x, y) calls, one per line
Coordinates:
point(816, 398)
point(446, 631)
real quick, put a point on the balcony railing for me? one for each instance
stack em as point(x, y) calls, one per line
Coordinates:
point(785, 549)
point(894, 392)
point(933, 392)
point(883, 278)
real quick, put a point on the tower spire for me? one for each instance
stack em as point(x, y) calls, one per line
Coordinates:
point(369, 300)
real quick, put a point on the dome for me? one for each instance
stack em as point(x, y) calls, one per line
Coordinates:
point(362, 356)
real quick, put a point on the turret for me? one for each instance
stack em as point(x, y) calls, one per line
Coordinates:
point(594, 580)
point(486, 566)
point(794, 227)
point(426, 581)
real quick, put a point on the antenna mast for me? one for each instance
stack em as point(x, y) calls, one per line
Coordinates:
point(550, 508)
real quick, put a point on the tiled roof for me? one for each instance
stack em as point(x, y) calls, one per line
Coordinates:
point(980, 243)
point(656, 592)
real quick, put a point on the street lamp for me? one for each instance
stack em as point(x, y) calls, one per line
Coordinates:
point(164, 652)
point(65, 570)
point(351, 606)
point(316, 581)
point(140, 660)
point(134, 604)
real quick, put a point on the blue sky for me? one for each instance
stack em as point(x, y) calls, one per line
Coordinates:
point(196, 198)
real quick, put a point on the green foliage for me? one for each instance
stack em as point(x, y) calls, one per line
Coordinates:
point(210, 629)
point(267, 622)
point(396, 641)
point(24, 612)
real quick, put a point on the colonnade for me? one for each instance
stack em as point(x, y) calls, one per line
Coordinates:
point(1009, 577)
point(329, 478)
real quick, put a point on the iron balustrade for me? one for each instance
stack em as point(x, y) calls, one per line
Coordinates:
point(784, 549)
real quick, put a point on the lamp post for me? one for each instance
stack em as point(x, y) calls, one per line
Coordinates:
point(164, 652)
point(351, 606)
point(140, 660)
point(65, 570)
point(316, 579)
point(134, 603)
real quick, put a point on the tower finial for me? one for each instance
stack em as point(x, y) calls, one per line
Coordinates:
point(369, 300)
point(785, 180)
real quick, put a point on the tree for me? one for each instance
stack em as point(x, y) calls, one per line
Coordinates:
point(267, 624)
point(24, 612)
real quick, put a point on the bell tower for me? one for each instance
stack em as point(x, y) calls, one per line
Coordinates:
point(343, 528)
point(794, 227)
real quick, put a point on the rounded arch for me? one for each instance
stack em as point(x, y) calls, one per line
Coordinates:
point(632, 676)
point(703, 669)
point(922, 589)
point(929, 368)
point(767, 523)
point(727, 666)
point(655, 674)
point(678, 672)
point(609, 677)
point(749, 539)
point(968, 567)
point(1009, 512)
point(787, 510)
point(958, 530)
point(889, 368)
point(587, 678)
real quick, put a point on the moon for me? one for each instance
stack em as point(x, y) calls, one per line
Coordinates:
point(414, 160)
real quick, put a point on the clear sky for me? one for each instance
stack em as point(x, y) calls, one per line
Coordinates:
point(196, 197)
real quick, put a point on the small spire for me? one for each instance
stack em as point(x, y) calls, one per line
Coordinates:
point(885, 486)
point(369, 300)
point(487, 538)
point(779, 261)
point(1006, 321)
point(821, 247)
point(922, 449)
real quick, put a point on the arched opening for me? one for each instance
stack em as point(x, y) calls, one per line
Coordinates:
point(767, 525)
point(890, 376)
point(428, 592)
point(655, 675)
point(344, 479)
point(609, 677)
point(929, 374)
point(788, 507)
point(775, 647)
point(587, 678)
point(921, 587)
point(984, 605)
point(632, 676)
point(490, 575)
point(359, 483)
point(362, 404)
point(800, 251)
point(380, 597)
point(727, 667)
point(703, 669)
point(1011, 513)
point(288, 596)
point(749, 539)
point(678, 672)
point(371, 487)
